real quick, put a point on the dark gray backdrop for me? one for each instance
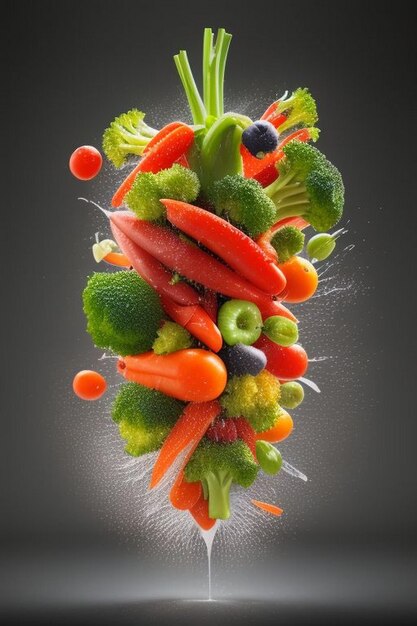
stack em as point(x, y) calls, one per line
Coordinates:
point(67, 70)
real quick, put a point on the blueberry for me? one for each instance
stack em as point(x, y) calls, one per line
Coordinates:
point(241, 359)
point(260, 138)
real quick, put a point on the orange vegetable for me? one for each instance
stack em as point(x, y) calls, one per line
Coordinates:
point(162, 134)
point(302, 279)
point(279, 431)
point(196, 320)
point(187, 431)
point(200, 514)
point(264, 240)
point(184, 495)
point(269, 508)
point(192, 375)
point(161, 155)
point(117, 258)
point(89, 385)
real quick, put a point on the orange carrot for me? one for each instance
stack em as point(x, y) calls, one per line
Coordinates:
point(184, 495)
point(161, 135)
point(191, 375)
point(269, 508)
point(188, 430)
point(160, 156)
point(200, 514)
point(117, 258)
point(279, 431)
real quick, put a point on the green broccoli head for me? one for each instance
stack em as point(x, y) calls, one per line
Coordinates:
point(253, 397)
point(123, 312)
point(300, 110)
point(217, 466)
point(244, 202)
point(287, 242)
point(172, 337)
point(144, 416)
point(127, 134)
point(176, 183)
point(309, 186)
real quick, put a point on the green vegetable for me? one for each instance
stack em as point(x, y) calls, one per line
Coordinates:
point(127, 134)
point(287, 242)
point(145, 417)
point(176, 183)
point(292, 394)
point(253, 397)
point(321, 246)
point(300, 110)
point(217, 466)
point(268, 457)
point(308, 185)
point(281, 330)
point(171, 337)
point(123, 312)
point(244, 202)
point(239, 321)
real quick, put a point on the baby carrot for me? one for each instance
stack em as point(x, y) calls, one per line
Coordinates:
point(184, 495)
point(187, 431)
point(117, 258)
point(269, 508)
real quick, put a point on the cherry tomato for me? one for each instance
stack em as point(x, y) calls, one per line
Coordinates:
point(285, 363)
point(85, 162)
point(89, 385)
point(302, 279)
point(280, 430)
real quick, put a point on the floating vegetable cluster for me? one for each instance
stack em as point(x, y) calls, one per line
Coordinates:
point(207, 236)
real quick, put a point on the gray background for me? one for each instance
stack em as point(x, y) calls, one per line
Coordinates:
point(72, 540)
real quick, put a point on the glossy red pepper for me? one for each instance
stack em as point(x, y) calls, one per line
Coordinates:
point(186, 258)
point(238, 250)
point(153, 271)
point(166, 149)
point(196, 320)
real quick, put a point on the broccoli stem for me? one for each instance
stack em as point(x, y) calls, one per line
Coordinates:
point(221, 70)
point(207, 56)
point(218, 488)
point(195, 102)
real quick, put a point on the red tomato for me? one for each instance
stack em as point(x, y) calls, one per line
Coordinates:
point(285, 363)
point(302, 279)
point(89, 385)
point(85, 162)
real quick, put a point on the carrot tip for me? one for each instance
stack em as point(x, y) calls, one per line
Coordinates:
point(268, 508)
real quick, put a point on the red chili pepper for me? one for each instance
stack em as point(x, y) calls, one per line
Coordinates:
point(264, 240)
point(160, 156)
point(229, 243)
point(197, 321)
point(153, 271)
point(210, 303)
point(186, 258)
point(164, 132)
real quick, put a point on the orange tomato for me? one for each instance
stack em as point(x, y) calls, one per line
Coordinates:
point(89, 385)
point(302, 279)
point(279, 431)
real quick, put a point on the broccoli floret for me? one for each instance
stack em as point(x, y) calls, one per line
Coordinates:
point(171, 337)
point(177, 183)
point(299, 109)
point(244, 202)
point(309, 186)
point(253, 397)
point(217, 465)
point(123, 312)
point(144, 416)
point(287, 241)
point(127, 134)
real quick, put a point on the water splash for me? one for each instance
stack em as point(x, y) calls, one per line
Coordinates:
point(208, 538)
